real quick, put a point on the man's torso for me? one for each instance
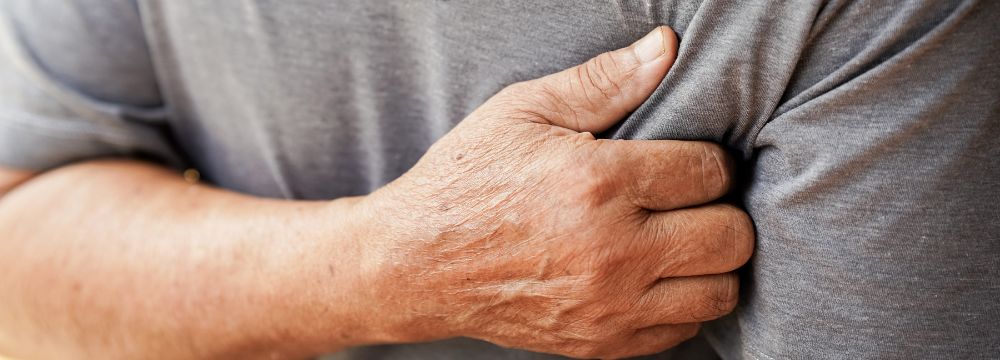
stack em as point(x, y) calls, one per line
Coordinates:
point(867, 244)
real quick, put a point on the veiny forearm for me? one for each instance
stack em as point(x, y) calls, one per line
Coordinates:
point(118, 259)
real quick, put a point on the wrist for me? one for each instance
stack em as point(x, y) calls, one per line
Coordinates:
point(354, 260)
point(320, 296)
point(389, 225)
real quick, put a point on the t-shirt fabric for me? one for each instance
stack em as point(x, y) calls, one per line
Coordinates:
point(867, 132)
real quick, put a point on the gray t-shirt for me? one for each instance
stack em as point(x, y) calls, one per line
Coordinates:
point(868, 132)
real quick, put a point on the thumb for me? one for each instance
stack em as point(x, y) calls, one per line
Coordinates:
point(597, 94)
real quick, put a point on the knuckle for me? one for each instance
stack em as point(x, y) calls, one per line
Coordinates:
point(594, 184)
point(604, 74)
point(715, 169)
point(721, 298)
point(740, 234)
point(583, 138)
point(609, 269)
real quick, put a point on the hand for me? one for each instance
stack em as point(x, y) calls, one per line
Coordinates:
point(522, 229)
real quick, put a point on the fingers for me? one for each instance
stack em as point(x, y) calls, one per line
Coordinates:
point(688, 300)
point(711, 239)
point(597, 94)
point(668, 174)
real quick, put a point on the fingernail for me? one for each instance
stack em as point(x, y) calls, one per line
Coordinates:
point(650, 46)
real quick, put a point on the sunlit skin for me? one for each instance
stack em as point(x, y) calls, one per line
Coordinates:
point(518, 227)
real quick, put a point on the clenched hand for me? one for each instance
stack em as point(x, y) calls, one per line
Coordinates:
point(522, 229)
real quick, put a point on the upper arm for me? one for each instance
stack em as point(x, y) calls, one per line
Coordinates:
point(76, 83)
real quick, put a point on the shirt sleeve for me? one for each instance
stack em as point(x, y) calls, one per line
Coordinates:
point(77, 83)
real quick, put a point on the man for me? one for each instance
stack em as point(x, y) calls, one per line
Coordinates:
point(866, 134)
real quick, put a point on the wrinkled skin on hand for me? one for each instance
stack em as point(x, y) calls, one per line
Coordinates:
point(519, 229)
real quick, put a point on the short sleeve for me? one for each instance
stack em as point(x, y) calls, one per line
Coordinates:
point(77, 83)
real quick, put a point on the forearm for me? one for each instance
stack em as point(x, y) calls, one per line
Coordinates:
point(123, 259)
